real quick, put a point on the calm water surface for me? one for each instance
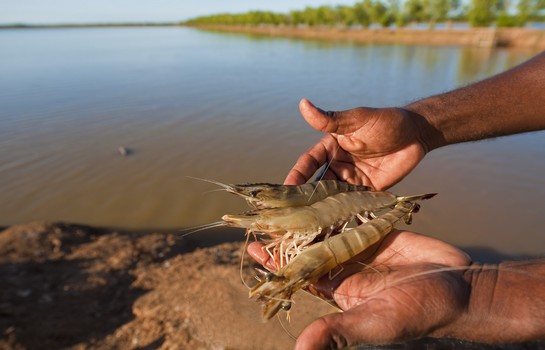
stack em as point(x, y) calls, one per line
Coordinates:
point(224, 107)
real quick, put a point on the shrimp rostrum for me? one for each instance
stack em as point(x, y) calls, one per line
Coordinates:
point(275, 290)
point(266, 195)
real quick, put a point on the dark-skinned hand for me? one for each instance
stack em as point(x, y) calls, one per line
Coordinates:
point(376, 147)
point(406, 287)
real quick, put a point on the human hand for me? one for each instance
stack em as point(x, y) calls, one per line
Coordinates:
point(406, 287)
point(376, 147)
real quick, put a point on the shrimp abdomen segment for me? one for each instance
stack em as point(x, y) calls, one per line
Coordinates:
point(355, 240)
point(327, 213)
point(317, 260)
point(264, 195)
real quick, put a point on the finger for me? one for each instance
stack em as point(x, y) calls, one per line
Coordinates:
point(355, 326)
point(405, 247)
point(342, 122)
point(257, 251)
point(311, 161)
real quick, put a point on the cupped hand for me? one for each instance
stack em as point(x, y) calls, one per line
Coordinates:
point(406, 287)
point(376, 147)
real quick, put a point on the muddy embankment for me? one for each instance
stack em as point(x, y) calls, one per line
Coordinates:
point(68, 286)
point(479, 37)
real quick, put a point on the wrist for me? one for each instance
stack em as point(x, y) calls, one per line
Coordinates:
point(422, 113)
point(473, 319)
point(505, 304)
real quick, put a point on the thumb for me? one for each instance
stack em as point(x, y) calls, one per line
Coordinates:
point(342, 122)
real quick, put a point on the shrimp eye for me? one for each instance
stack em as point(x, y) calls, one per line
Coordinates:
point(286, 306)
point(254, 193)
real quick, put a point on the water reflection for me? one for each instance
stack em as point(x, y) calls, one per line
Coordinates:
point(478, 63)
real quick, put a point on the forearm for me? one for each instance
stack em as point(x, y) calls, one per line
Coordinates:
point(506, 304)
point(509, 103)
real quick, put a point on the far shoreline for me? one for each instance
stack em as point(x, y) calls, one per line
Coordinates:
point(86, 25)
point(525, 38)
point(487, 37)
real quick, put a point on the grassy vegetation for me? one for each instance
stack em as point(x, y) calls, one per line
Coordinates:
point(478, 13)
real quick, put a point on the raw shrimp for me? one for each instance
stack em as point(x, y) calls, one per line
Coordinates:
point(265, 195)
point(294, 228)
point(275, 289)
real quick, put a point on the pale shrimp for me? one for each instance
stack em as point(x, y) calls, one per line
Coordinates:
point(265, 195)
point(294, 228)
point(276, 289)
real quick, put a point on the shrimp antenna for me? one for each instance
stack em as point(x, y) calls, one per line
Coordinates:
point(242, 260)
point(400, 281)
point(285, 328)
point(202, 228)
point(460, 268)
point(225, 186)
point(214, 190)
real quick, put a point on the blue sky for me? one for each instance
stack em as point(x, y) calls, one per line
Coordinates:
point(85, 11)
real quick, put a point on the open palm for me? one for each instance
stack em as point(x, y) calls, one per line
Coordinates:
point(404, 287)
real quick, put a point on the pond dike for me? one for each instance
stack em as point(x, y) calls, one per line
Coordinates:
point(477, 37)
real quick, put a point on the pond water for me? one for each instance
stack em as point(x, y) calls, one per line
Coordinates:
point(219, 106)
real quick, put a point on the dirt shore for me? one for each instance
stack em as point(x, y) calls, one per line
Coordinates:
point(480, 37)
point(78, 287)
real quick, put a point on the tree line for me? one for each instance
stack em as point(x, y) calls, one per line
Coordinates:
point(478, 13)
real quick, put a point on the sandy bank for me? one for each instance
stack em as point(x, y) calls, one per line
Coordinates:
point(79, 287)
point(479, 37)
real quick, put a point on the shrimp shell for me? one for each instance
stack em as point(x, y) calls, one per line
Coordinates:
point(276, 289)
point(327, 214)
point(266, 195)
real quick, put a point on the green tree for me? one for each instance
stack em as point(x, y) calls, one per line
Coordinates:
point(383, 14)
point(310, 16)
point(415, 11)
point(362, 15)
point(482, 13)
point(347, 15)
point(296, 18)
point(440, 9)
point(326, 15)
point(396, 12)
point(503, 18)
point(376, 12)
point(539, 9)
point(525, 8)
